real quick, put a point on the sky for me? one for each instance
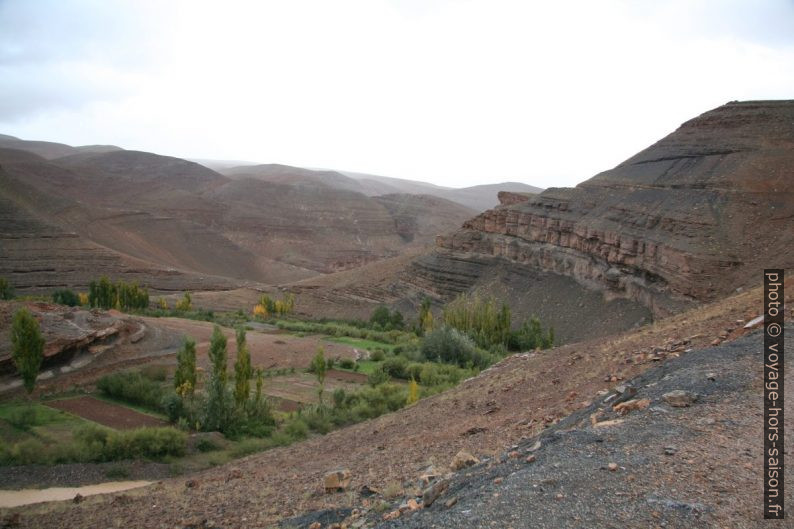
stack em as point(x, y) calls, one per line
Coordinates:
point(452, 92)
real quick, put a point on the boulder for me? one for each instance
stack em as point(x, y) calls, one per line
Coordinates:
point(462, 460)
point(680, 398)
point(338, 480)
point(434, 491)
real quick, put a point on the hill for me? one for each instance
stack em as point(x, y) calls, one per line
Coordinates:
point(173, 214)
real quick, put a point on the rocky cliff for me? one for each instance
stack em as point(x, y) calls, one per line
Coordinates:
point(692, 217)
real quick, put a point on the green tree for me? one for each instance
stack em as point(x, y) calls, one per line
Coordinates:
point(6, 290)
point(185, 375)
point(27, 347)
point(380, 316)
point(318, 366)
point(217, 407)
point(65, 296)
point(242, 370)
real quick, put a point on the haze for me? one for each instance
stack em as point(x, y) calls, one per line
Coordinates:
point(455, 93)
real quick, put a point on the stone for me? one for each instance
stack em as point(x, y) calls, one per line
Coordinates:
point(462, 460)
point(367, 491)
point(392, 515)
point(450, 502)
point(531, 459)
point(191, 483)
point(612, 467)
point(680, 398)
point(78, 498)
point(670, 450)
point(623, 408)
point(497, 481)
point(435, 490)
point(316, 525)
point(338, 480)
point(514, 454)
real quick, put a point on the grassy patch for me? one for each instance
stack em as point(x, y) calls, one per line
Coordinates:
point(362, 343)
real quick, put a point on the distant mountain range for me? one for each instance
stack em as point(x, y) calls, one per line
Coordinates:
point(70, 214)
point(478, 198)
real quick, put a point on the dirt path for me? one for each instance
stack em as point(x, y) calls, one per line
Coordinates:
point(105, 413)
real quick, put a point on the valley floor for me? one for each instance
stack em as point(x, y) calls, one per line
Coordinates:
point(509, 404)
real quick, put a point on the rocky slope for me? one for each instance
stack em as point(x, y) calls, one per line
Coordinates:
point(688, 219)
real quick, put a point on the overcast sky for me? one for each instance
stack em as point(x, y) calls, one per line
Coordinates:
point(452, 92)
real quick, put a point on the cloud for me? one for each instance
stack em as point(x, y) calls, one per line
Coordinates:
point(452, 92)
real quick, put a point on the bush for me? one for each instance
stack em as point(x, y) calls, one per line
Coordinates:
point(134, 388)
point(66, 297)
point(450, 346)
point(347, 363)
point(296, 428)
point(23, 418)
point(396, 367)
point(378, 376)
point(377, 355)
point(151, 443)
point(155, 373)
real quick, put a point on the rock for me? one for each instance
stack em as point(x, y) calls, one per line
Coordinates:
point(316, 525)
point(450, 502)
point(612, 467)
point(427, 476)
point(497, 481)
point(559, 496)
point(670, 450)
point(191, 483)
point(513, 454)
point(631, 405)
point(535, 446)
point(462, 460)
point(435, 490)
point(716, 341)
point(337, 480)
point(78, 498)
point(711, 376)
point(410, 505)
point(367, 491)
point(680, 398)
point(393, 515)
point(531, 459)
point(624, 392)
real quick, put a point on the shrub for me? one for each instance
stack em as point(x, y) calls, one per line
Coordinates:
point(23, 418)
point(378, 376)
point(481, 319)
point(296, 428)
point(152, 443)
point(134, 388)
point(66, 297)
point(155, 373)
point(206, 445)
point(28, 452)
point(396, 367)
point(347, 363)
point(377, 355)
point(450, 346)
point(531, 336)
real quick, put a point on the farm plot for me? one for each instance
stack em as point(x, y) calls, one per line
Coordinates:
point(106, 413)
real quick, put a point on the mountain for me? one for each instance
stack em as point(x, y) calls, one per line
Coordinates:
point(166, 213)
point(689, 219)
point(478, 198)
